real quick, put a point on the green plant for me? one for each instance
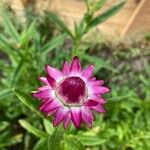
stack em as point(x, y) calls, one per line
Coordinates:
point(26, 49)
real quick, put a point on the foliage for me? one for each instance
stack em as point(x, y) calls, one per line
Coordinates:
point(25, 49)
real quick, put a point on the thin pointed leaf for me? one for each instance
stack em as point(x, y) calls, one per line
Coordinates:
point(10, 28)
point(48, 126)
point(73, 143)
point(27, 34)
point(106, 15)
point(56, 20)
point(7, 48)
point(41, 144)
point(99, 5)
point(87, 140)
point(5, 93)
point(54, 43)
point(32, 129)
point(27, 100)
point(55, 139)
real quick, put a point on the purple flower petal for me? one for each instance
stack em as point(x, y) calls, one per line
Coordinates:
point(45, 94)
point(67, 120)
point(66, 68)
point(43, 88)
point(90, 102)
point(53, 72)
point(99, 108)
point(76, 116)
point(88, 71)
point(49, 106)
point(98, 99)
point(59, 116)
point(87, 116)
point(51, 81)
point(100, 89)
point(75, 66)
point(44, 80)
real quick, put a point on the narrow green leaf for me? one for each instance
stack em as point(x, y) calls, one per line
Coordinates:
point(99, 5)
point(27, 100)
point(73, 143)
point(54, 43)
point(5, 93)
point(27, 34)
point(11, 141)
point(10, 28)
point(90, 140)
point(8, 49)
point(106, 15)
point(3, 125)
point(98, 62)
point(56, 20)
point(55, 139)
point(32, 129)
point(16, 73)
point(48, 126)
point(41, 144)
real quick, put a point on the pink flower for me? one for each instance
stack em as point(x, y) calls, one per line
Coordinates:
point(72, 94)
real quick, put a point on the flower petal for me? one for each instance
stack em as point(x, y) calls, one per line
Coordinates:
point(66, 68)
point(44, 80)
point(95, 83)
point(44, 94)
point(54, 72)
point(50, 106)
point(59, 116)
point(51, 81)
point(76, 116)
point(43, 88)
point(99, 108)
point(98, 99)
point(90, 102)
point(88, 71)
point(100, 89)
point(67, 120)
point(87, 116)
point(75, 66)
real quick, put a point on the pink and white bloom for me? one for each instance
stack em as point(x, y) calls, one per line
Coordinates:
point(71, 95)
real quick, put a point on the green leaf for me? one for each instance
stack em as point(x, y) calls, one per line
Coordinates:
point(48, 126)
point(5, 93)
point(16, 73)
point(90, 140)
point(32, 129)
point(8, 49)
point(11, 141)
point(98, 62)
point(41, 144)
point(54, 43)
point(99, 5)
point(27, 34)
point(73, 143)
point(55, 139)
point(56, 20)
point(27, 100)
point(10, 28)
point(3, 125)
point(106, 15)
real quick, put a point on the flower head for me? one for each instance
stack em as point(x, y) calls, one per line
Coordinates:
point(72, 94)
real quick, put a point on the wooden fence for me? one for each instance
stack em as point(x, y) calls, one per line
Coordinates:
point(134, 17)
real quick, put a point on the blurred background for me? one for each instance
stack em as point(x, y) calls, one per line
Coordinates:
point(120, 50)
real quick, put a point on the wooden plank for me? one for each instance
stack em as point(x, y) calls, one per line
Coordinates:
point(73, 10)
point(140, 20)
